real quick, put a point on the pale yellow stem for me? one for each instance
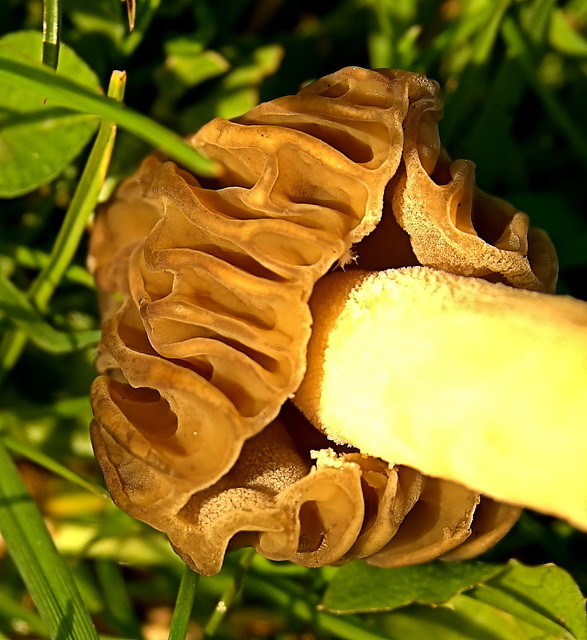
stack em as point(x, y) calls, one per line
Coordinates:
point(470, 381)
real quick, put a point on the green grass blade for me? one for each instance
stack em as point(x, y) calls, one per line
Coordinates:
point(13, 610)
point(230, 594)
point(380, 42)
point(77, 98)
point(131, 11)
point(51, 32)
point(487, 37)
point(184, 604)
point(145, 17)
point(72, 229)
point(559, 116)
point(11, 347)
point(22, 313)
point(43, 570)
point(120, 609)
point(81, 206)
point(30, 258)
point(43, 460)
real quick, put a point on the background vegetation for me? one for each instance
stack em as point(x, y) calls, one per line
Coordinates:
point(514, 79)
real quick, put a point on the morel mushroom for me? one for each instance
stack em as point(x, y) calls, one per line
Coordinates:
point(205, 297)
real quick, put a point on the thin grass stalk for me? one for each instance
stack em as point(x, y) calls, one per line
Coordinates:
point(184, 604)
point(72, 229)
point(51, 32)
point(230, 594)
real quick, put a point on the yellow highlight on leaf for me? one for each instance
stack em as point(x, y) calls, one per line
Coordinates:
point(474, 382)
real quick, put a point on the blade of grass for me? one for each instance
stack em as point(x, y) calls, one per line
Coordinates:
point(22, 313)
point(184, 604)
point(81, 206)
point(66, 408)
point(43, 570)
point(71, 231)
point(30, 258)
point(146, 15)
point(51, 32)
point(230, 594)
point(11, 609)
point(485, 42)
point(131, 12)
point(519, 49)
point(120, 609)
point(43, 460)
point(380, 42)
point(536, 18)
point(473, 75)
point(77, 98)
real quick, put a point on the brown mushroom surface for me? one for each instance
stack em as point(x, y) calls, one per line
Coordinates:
point(193, 426)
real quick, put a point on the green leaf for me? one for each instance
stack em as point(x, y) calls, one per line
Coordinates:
point(37, 138)
point(237, 91)
point(462, 618)
point(43, 570)
point(519, 603)
point(186, 66)
point(22, 313)
point(536, 18)
point(563, 37)
point(358, 588)
point(545, 597)
point(447, 623)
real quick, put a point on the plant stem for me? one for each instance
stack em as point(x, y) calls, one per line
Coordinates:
point(146, 15)
point(184, 604)
point(230, 594)
point(51, 32)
